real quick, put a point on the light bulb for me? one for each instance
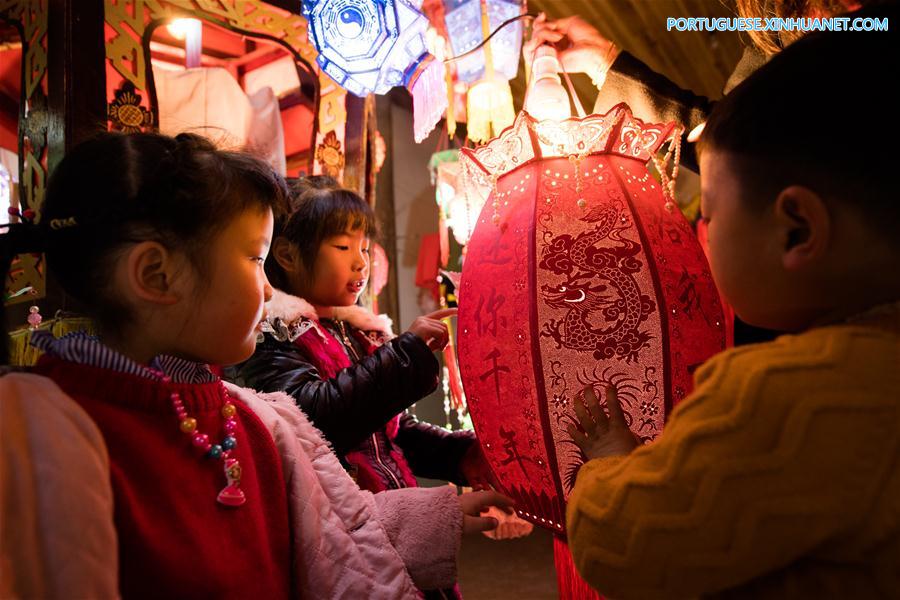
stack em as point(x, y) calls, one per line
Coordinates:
point(180, 28)
point(547, 98)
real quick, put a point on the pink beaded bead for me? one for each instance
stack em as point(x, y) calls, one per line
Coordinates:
point(201, 440)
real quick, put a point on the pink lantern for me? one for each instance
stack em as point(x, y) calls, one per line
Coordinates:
point(580, 271)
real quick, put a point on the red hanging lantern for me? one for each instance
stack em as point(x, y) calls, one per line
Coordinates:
point(580, 271)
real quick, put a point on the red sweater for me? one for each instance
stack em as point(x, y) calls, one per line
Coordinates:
point(175, 539)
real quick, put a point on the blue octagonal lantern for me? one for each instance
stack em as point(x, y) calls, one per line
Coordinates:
point(368, 45)
point(463, 19)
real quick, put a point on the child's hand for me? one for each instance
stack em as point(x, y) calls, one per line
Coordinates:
point(431, 330)
point(599, 435)
point(475, 469)
point(511, 526)
point(475, 503)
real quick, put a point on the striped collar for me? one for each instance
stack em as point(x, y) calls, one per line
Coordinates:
point(84, 349)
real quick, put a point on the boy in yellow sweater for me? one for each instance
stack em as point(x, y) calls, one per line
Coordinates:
point(779, 477)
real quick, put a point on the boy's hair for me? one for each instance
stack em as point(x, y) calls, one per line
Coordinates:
point(320, 209)
point(117, 189)
point(821, 114)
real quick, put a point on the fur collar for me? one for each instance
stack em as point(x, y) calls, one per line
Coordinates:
point(290, 310)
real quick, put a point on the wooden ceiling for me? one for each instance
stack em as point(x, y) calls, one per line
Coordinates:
point(700, 61)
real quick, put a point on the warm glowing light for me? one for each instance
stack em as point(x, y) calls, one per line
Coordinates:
point(696, 132)
point(489, 109)
point(547, 98)
point(181, 28)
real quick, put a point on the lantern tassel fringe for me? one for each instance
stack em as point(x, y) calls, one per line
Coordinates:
point(429, 94)
point(489, 108)
point(570, 584)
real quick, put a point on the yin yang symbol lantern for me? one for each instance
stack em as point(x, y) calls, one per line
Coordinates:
point(580, 272)
point(371, 46)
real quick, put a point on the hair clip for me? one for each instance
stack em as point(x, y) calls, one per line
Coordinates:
point(25, 215)
point(63, 223)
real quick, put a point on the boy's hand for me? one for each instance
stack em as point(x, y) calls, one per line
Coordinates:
point(475, 469)
point(598, 435)
point(431, 330)
point(475, 503)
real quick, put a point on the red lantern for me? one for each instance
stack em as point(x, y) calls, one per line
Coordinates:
point(580, 271)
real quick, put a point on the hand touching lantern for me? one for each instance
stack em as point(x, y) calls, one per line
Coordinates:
point(597, 434)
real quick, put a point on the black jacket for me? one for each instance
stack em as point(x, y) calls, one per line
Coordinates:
point(361, 399)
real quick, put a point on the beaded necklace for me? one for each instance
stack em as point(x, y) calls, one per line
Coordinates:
point(231, 494)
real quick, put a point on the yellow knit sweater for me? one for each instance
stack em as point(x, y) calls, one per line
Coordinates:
point(779, 477)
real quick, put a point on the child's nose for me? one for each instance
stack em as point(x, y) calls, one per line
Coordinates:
point(267, 291)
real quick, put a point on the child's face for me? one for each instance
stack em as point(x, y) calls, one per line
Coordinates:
point(341, 270)
point(742, 251)
point(222, 318)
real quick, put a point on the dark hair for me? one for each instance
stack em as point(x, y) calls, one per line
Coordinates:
point(320, 209)
point(820, 114)
point(116, 189)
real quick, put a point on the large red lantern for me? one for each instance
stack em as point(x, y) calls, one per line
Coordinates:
point(580, 271)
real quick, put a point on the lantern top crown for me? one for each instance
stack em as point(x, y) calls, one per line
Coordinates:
point(527, 139)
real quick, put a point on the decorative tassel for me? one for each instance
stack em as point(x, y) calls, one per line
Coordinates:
point(451, 109)
point(490, 105)
point(674, 155)
point(444, 232)
point(571, 585)
point(490, 109)
point(429, 99)
point(457, 397)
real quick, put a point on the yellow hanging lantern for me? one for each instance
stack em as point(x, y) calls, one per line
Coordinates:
point(489, 105)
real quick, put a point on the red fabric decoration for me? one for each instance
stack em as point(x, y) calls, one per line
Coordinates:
point(429, 263)
point(557, 296)
point(380, 268)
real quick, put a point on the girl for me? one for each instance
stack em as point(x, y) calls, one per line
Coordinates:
point(339, 362)
point(216, 490)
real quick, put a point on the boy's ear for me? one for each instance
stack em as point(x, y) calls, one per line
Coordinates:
point(804, 226)
point(150, 273)
point(286, 255)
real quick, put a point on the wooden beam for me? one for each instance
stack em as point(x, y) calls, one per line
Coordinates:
point(77, 71)
point(293, 6)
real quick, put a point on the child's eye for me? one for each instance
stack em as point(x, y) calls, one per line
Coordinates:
point(342, 247)
point(366, 250)
point(258, 259)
